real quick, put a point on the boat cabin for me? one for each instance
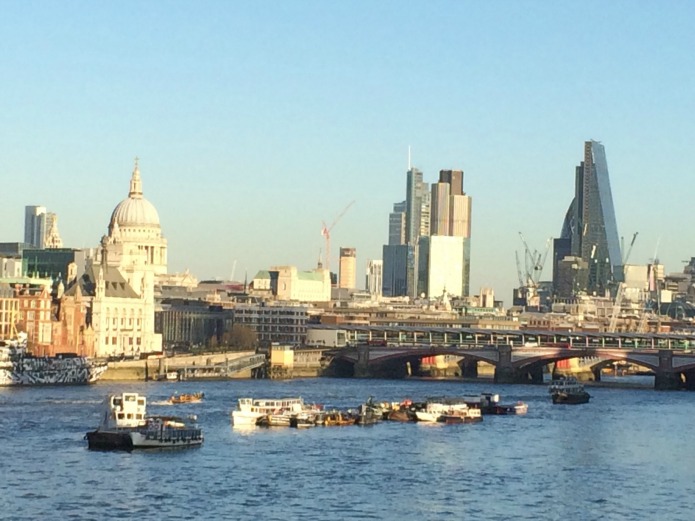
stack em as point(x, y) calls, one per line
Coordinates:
point(126, 410)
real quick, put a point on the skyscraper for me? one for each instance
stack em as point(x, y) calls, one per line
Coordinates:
point(374, 277)
point(589, 231)
point(397, 224)
point(348, 268)
point(416, 198)
point(451, 217)
point(35, 225)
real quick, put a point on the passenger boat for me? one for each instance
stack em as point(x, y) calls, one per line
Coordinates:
point(434, 408)
point(186, 398)
point(125, 425)
point(461, 415)
point(568, 391)
point(250, 410)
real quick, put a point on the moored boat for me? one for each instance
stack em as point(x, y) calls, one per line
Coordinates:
point(568, 391)
point(18, 367)
point(250, 410)
point(186, 398)
point(125, 425)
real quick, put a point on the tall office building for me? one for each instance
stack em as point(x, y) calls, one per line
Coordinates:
point(589, 231)
point(416, 201)
point(441, 266)
point(451, 217)
point(374, 277)
point(348, 268)
point(399, 270)
point(35, 225)
point(397, 224)
point(439, 218)
point(454, 178)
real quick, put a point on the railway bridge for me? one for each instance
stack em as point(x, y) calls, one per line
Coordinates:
point(517, 356)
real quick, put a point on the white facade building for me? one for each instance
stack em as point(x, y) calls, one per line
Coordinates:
point(375, 277)
point(441, 266)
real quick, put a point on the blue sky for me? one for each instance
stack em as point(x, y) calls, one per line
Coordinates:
point(256, 121)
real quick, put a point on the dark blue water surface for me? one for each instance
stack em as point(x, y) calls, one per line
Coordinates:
point(628, 454)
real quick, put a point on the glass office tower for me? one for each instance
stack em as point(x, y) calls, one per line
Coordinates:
point(590, 228)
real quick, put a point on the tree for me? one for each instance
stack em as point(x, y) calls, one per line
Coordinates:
point(240, 337)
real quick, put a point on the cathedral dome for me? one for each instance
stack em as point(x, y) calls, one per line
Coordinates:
point(135, 210)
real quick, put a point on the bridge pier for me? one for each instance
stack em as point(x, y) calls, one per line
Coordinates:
point(469, 368)
point(504, 371)
point(665, 379)
point(362, 365)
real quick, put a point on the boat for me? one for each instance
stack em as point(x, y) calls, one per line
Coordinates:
point(186, 398)
point(19, 367)
point(250, 410)
point(369, 413)
point(461, 415)
point(435, 408)
point(125, 425)
point(488, 403)
point(337, 419)
point(568, 391)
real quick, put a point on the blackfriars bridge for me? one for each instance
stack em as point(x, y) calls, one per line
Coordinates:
point(517, 356)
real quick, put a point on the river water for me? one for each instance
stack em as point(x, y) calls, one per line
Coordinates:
point(628, 454)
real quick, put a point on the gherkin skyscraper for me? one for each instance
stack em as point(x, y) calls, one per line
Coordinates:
point(589, 235)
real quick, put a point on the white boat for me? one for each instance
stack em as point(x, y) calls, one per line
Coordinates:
point(250, 410)
point(434, 410)
point(125, 425)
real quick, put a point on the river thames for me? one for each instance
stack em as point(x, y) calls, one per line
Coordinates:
point(627, 454)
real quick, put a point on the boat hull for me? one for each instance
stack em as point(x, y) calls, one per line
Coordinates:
point(571, 398)
point(144, 439)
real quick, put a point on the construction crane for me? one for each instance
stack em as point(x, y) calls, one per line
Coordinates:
point(617, 306)
point(626, 256)
point(326, 232)
point(533, 264)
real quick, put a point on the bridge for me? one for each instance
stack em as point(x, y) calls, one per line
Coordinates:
point(517, 356)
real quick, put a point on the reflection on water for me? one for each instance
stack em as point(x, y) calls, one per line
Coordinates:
point(625, 455)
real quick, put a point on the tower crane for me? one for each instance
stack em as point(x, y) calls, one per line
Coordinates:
point(629, 249)
point(326, 232)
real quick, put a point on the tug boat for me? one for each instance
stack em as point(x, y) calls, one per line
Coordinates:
point(126, 426)
point(568, 391)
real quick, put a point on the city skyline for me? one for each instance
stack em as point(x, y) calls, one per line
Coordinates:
point(254, 125)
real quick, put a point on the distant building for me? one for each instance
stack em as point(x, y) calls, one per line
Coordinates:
point(35, 225)
point(288, 283)
point(589, 231)
point(374, 277)
point(282, 323)
point(348, 268)
point(397, 224)
point(441, 266)
point(399, 270)
point(41, 228)
point(192, 322)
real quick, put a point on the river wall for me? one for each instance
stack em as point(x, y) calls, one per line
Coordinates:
point(156, 368)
